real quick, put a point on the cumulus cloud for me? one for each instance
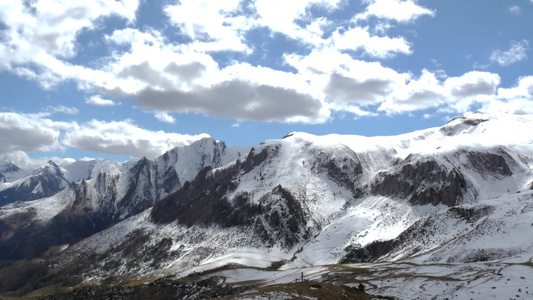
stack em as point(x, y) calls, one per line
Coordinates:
point(125, 138)
point(212, 25)
point(350, 90)
point(20, 132)
point(40, 32)
point(163, 75)
point(376, 46)
point(473, 84)
point(402, 11)
point(164, 117)
point(515, 54)
point(183, 77)
point(97, 100)
point(37, 133)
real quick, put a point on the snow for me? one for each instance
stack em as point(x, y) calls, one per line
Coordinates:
point(45, 208)
point(87, 169)
point(452, 281)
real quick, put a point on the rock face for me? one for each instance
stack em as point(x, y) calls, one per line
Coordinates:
point(277, 216)
point(422, 182)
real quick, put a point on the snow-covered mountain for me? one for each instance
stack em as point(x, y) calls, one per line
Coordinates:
point(42, 182)
point(88, 169)
point(88, 206)
point(460, 193)
point(313, 200)
point(17, 184)
point(10, 172)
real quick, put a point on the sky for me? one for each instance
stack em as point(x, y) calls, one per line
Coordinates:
point(131, 78)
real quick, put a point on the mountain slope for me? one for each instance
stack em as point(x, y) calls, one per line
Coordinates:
point(307, 200)
point(461, 193)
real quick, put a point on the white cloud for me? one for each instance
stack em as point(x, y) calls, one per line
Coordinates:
point(402, 11)
point(40, 31)
point(97, 100)
point(210, 25)
point(164, 77)
point(345, 81)
point(164, 117)
point(515, 54)
point(376, 46)
point(473, 84)
point(280, 16)
point(26, 133)
point(418, 94)
point(64, 110)
point(176, 79)
point(37, 133)
point(523, 90)
point(125, 138)
point(515, 9)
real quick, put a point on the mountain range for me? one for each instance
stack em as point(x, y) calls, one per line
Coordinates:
point(431, 201)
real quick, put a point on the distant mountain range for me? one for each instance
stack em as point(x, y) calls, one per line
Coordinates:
point(457, 194)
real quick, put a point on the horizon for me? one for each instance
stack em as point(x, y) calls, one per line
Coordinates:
point(124, 79)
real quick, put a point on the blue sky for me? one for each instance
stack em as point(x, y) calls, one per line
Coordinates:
point(129, 78)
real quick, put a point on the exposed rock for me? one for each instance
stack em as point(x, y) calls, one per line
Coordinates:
point(422, 182)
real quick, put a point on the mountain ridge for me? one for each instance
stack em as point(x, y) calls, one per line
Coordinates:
point(460, 193)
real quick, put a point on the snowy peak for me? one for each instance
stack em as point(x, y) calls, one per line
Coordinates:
point(10, 172)
point(88, 169)
point(42, 182)
point(49, 169)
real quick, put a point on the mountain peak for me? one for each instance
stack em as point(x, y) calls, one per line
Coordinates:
point(9, 167)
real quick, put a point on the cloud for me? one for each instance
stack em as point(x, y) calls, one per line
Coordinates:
point(402, 11)
point(473, 84)
point(523, 90)
point(280, 16)
point(237, 99)
point(173, 78)
point(37, 133)
point(515, 10)
point(375, 46)
point(164, 117)
point(124, 138)
point(96, 100)
point(19, 132)
point(64, 110)
point(163, 74)
point(212, 25)
point(418, 94)
point(350, 90)
point(39, 32)
point(515, 54)
point(346, 81)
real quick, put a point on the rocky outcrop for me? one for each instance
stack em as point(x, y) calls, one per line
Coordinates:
point(422, 182)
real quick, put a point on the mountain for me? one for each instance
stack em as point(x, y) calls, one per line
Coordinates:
point(442, 199)
point(88, 169)
point(42, 182)
point(89, 206)
point(10, 172)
